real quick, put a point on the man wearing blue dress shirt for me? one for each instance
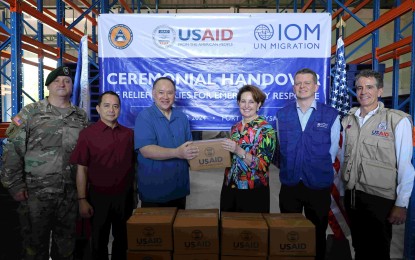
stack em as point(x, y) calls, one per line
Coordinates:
point(162, 139)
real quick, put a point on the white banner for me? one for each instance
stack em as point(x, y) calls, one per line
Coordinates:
point(210, 56)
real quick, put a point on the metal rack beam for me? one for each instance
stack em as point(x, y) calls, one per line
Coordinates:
point(52, 15)
point(384, 19)
point(55, 25)
point(392, 51)
point(346, 9)
point(125, 6)
point(79, 10)
point(40, 64)
point(16, 56)
point(15, 44)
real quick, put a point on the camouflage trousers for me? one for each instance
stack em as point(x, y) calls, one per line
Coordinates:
point(47, 215)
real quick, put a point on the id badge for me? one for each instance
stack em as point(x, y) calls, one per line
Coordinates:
point(243, 185)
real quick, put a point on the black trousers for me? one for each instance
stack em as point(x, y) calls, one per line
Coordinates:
point(179, 203)
point(236, 200)
point(370, 228)
point(110, 210)
point(316, 205)
point(10, 237)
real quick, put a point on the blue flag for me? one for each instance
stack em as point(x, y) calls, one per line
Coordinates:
point(77, 79)
point(80, 92)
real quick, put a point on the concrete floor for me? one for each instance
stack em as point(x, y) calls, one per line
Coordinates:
point(205, 193)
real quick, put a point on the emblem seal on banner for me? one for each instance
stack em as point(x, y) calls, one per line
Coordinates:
point(120, 36)
point(164, 36)
point(264, 32)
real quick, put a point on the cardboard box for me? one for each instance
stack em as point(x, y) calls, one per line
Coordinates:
point(196, 231)
point(290, 236)
point(148, 255)
point(211, 155)
point(278, 257)
point(196, 257)
point(287, 215)
point(239, 257)
point(151, 229)
point(244, 234)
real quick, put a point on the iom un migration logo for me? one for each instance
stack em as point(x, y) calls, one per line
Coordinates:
point(120, 36)
point(264, 32)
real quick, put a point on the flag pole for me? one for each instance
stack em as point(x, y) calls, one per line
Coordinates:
point(341, 25)
point(337, 244)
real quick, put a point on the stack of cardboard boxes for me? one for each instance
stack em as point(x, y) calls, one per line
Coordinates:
point(196, 234)
point(291, 237)
point(165, 234)
point(150, 234)
point(244, 236)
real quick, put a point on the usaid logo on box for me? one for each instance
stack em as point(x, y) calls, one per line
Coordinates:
point(151, 229)
point(293, 237)
point(290, 235)
point(197, 240)
point(211, 155)
point(247, 241)
point(148, 237)
point(196, 231)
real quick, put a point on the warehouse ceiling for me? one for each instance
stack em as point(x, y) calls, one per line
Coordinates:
point(50, 35)
point(206, 4)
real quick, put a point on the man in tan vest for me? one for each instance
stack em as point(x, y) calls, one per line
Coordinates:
point(376, 168)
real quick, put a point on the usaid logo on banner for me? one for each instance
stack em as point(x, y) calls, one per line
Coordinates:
point(264, 32)
point(205, 38)
point(205, 34)
point(120, 36)
point(164, 36)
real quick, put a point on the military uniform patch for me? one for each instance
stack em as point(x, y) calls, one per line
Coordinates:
point(17, 120)
point(65, 71)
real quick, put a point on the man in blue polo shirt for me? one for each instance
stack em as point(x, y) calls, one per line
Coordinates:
point(162, 139)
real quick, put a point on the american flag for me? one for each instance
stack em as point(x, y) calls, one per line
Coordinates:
point(339, 96)
point(340, 100)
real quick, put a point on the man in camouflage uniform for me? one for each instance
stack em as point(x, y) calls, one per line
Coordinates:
point(36, 169)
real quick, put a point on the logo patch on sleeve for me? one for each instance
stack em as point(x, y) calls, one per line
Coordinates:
point(17, 120)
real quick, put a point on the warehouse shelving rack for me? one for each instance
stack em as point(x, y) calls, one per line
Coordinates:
point(15, 42)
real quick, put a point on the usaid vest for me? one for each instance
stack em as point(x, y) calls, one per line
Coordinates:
point(306, 155)
point(369, 156)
